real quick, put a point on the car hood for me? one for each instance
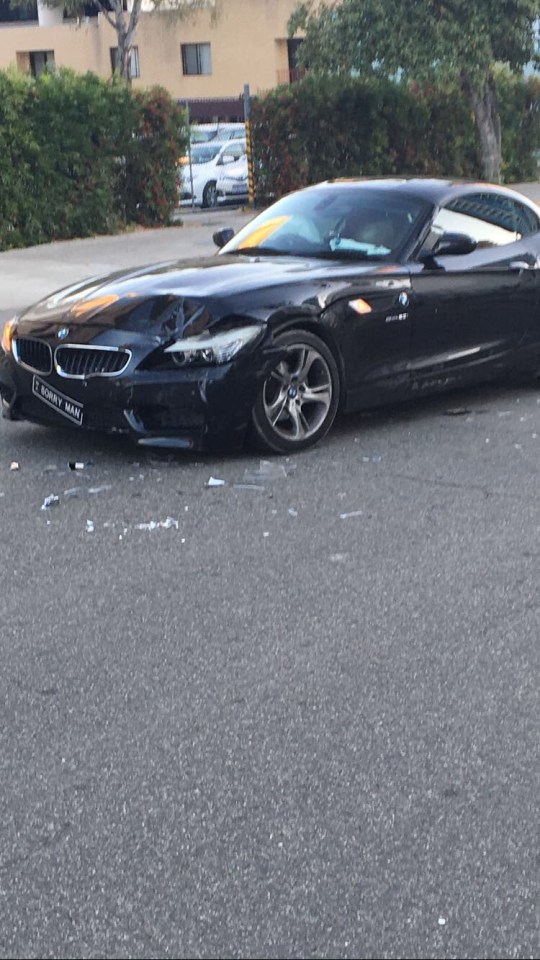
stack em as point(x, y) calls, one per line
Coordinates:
point(187, 296)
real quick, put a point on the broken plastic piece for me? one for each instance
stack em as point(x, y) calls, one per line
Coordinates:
point(89, 526)
point(248, 486)
point(267, 470)
point(51, 501)
point(353, 513)
point(156, 524)
point(14, 465)
point(72, 492)
point(215, 482)
point(76, 465)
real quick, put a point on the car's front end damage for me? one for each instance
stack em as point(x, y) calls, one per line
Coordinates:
point(161, 368)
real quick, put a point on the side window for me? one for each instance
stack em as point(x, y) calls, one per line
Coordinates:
point(487, 218)
point(525, 220)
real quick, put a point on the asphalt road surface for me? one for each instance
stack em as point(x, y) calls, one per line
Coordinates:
point(293, 715)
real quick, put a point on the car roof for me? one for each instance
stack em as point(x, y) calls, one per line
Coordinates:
point(434, 190)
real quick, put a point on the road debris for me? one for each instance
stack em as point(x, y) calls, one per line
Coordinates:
point(90, 526)
point(14, 465)
point(72, 492)
point(51, 501)
point(267, 470)
point(353, 513)
point(215, 482)
point(167, 524)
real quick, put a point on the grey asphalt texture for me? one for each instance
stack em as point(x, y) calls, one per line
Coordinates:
point(294, 715)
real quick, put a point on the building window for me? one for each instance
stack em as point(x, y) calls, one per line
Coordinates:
point(134, 66)
point(196, 59)
point(40, 61)
point(9, 15)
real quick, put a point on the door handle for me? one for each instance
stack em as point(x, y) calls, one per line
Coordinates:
point(517, 266)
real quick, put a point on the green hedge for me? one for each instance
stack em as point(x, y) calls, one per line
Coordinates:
point(328, 127)
point(80, 156)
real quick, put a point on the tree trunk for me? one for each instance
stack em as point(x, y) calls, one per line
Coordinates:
point(125, 32)
point(485, 106)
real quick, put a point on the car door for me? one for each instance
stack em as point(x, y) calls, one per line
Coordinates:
point(472, 312)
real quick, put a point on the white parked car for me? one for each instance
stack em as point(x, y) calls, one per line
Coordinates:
point(232, 183)
point(203, 132)
point(201, 169)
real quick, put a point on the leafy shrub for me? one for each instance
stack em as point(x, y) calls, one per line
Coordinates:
point(325, 127)
point(80, 156)
point(151, 187)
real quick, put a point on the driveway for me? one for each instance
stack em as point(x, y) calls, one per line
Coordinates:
point(292, 715)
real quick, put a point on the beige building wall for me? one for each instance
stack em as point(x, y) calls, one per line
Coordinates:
point(248, 41)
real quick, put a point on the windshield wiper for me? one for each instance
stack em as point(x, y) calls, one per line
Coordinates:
point(347, 255)
point(261, 251)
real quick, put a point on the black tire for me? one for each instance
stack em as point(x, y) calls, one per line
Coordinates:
point(209, 197)
point(298, 402)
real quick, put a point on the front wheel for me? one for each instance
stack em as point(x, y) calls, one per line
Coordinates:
point(210, 195)
point(298, 401)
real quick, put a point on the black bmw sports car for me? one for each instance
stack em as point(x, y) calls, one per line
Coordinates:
point(342, 296)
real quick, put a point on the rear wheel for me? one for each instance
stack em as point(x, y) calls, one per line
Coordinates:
point(298, 401)
point(210, 194)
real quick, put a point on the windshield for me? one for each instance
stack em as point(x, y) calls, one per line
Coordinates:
point(338, 221)
point(204, 153)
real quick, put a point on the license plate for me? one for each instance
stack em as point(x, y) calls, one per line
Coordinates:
point(58, 401)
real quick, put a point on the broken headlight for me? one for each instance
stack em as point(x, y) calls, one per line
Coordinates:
point(208, 348)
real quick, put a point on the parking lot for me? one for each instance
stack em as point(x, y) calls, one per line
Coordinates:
point(269, 707)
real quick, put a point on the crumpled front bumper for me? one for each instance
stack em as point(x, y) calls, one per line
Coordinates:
point(192, 408)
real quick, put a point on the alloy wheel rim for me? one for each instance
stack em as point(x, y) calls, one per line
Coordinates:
point(298, 394)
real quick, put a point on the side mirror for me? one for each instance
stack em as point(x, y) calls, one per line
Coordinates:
point(450, 244)
point(221, 237)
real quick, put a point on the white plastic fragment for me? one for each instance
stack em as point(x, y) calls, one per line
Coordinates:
point(292, 512)
point(442, 921)
point(267, 470)
point(353, 513)
point(266, 533)
point(89, 526)
point(76, 465)
point(158, 524)
point(105, 486)
point(215, 482)
point(14, 465)
point(51, 501)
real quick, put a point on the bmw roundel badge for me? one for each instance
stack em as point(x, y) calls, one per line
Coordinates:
point(63, 333)
point(403, 299)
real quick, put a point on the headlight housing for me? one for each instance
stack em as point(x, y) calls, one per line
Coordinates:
point(211, 349)
point(7, 335)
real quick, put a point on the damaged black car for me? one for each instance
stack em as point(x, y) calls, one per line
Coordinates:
point(339, 297)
